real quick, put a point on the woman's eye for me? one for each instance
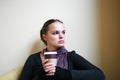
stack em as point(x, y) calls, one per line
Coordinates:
point(56, 32)
point(63, 32)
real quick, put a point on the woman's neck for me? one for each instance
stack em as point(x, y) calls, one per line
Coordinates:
point(51, 48)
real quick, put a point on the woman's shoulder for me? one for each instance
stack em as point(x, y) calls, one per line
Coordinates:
point(74, 55)
point(73, 52)
point(34, 58)
point(34, 55)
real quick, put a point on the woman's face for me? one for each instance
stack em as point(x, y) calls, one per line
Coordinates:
point(55, 36)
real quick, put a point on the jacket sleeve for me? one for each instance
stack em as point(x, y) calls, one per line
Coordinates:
point(84, 70)
point(81, 69)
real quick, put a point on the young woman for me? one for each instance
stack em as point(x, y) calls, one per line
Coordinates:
point(70, 65)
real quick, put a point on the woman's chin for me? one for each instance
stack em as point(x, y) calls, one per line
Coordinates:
point(60, 45)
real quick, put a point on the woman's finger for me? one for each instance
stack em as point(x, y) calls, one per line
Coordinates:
point(45, 61)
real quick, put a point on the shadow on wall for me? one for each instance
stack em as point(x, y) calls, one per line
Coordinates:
point(37, 46)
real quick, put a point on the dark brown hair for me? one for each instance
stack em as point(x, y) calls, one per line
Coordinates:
point(45, 27)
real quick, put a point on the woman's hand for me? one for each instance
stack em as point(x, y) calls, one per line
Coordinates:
point(49, 67)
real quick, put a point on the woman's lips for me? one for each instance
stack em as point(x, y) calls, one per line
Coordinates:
point(61, 41)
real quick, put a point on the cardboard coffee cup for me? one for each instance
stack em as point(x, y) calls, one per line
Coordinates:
point(51, 56)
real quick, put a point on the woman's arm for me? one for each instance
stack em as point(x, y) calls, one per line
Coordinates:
point(27, 72)
point(84, 70)
point(81, 69)
point(33, 69)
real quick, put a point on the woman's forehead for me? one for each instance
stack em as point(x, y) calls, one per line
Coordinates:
point(56, 26)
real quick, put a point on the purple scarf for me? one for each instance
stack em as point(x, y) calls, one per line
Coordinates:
point(61, 56)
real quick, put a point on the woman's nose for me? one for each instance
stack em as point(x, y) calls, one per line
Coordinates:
point(61, 35)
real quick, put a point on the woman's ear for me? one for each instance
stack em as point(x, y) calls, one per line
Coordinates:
point(44, 37)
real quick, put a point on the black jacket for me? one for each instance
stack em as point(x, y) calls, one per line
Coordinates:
point(78, 69)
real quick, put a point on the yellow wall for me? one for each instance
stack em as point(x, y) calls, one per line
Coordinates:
point(109, 30)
